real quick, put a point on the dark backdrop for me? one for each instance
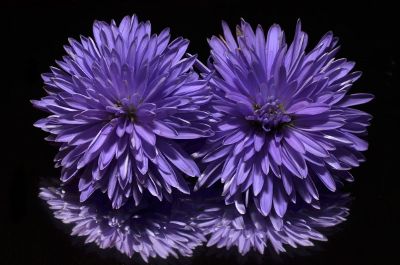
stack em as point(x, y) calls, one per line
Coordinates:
point(34, 34)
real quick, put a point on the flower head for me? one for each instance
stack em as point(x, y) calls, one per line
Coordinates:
point(160, 230)
point(227, 228)
point(117, 102)
point(286, 124)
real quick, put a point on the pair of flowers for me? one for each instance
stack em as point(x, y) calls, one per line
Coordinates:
point(135, 115)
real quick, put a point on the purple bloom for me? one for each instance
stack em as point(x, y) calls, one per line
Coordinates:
point(117, 104)
point(226, 227)
point(285, 121)
point(156, 229)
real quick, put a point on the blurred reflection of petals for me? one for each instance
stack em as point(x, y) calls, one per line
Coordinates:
point(152, 229)
point(302, 224)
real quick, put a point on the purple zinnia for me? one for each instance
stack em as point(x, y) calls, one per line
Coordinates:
point(157, 229)
point(117, 103)
point(285, 120)
point(226, 227)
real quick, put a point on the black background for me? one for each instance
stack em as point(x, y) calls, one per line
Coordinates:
point(34, 34)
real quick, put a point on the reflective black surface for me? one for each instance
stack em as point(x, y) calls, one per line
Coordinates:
point(34, 33)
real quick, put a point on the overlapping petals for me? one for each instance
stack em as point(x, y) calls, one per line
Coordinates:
point(118, 102)
point(286, 125)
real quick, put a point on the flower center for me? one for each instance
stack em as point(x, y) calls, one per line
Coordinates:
point(124, 109)
point(131, 114)
point(270, 116)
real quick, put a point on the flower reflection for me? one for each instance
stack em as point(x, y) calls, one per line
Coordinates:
point(302, 224)
point(162, 228)
point(152, 229)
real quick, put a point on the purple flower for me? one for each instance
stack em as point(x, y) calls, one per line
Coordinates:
point(227, 228)
point(117, 104)
point(156, 229)
point(286, 124)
